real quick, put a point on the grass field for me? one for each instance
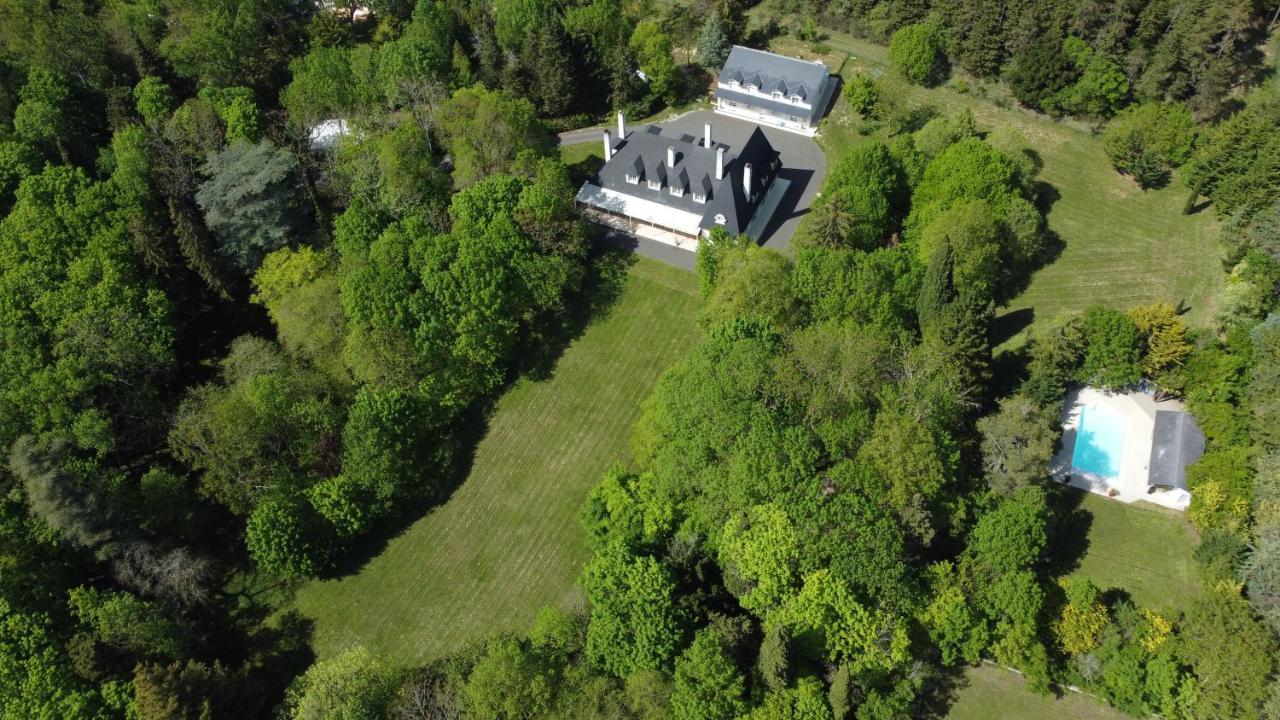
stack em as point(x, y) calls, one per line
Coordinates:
point(1121, 246)
point(1143, 549)
point(991, 692)
point(508, 541)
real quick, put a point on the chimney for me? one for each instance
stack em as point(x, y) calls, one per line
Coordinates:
point(671, 156)
point(706, 131)
point(622, 127)
point(746, 181)
point(608, 146)
point(719, 163)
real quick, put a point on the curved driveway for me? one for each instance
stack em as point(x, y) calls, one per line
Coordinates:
point(803, 164)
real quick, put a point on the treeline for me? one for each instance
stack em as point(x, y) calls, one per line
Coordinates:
point(236, 338)
point(1081, 58)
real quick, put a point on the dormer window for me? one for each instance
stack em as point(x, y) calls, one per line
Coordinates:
point(734, 84)
point(655, 185)
point(795, 99)
point(677, 191)
point(699, 198)
point(633, 179)
point(777, 94)
point(720, 218)
point(751, 88)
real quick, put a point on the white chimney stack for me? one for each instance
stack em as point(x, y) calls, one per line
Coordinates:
point(622, 127)
point(746, 181)
point(671, 156)
point(719, 163)
point(706, 130)
point(608, 146)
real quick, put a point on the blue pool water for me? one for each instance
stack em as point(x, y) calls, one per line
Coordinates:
point(1100, 441)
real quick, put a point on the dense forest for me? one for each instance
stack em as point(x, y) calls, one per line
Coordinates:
point(266, 264)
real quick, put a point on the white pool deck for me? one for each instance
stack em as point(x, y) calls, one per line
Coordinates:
point(1130, 485)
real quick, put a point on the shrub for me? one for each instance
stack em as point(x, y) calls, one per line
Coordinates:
point(1148, 141)
point(915, 52)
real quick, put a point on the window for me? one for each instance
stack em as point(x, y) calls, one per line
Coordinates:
point(633, 179)
point(733, 84)
point(677, 191)
point(795, 99)
point(720, 219)
point(655, 185)
point(777, 94)
point(751, 88)
point(699, 198)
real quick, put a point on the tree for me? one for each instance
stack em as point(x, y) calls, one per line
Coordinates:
point(774, 660)
point(759, 552)
point(223, 43)
point(38, 680)
point(287, 537)
point(713, 43)
point(867, 185)
point(753, 282)
point(323, 87)
point(126, 622)
point(299, 288)
point(1038, 76)
point(58, 497)
point(1165, 339)
point(187, 691)
point(635, 623)
point(250, 200)
point(652, 48)
point(352, 686)
point(1234, 164)
point(1112, 356)
point(915, 52)
point(269, 427)
point(1083, 617)
point(387, 448)
point(708, 686)
point(485, 130)
point(1101, 87)
point(154, 100)
point(42, 118)
point(509, 681)
point(805, 701)
point(1233, 656)
point(1017, 444)
point(1149, 140)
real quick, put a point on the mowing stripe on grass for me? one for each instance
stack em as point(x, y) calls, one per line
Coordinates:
point(508, 541)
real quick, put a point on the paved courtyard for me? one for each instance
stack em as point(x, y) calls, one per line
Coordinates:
point(803, 166)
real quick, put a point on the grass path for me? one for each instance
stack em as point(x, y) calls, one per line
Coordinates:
point(992, 692)
point(508, 541)
point(1121, 246)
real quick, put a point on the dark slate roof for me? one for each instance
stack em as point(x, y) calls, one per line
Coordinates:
point(770, 72)
point(732, 201)
point(694, 169)
point(1176, 443)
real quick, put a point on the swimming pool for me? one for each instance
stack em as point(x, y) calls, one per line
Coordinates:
point(1100, 441)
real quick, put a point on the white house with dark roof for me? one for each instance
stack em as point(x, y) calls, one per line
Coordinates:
point(677, 188)
point(774, 90)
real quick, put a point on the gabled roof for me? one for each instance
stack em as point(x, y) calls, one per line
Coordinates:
point(732, 200)
point(1175, 443)
point(644, 153)
point(771, 72)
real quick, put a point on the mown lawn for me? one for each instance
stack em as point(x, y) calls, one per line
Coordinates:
point(1145, 550)
point(992, 692)
point(1121, 246)
point(508, 541)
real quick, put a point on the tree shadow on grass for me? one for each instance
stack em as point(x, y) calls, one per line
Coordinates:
point(1069, 527)
point(939, 691)
point(606, 279)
